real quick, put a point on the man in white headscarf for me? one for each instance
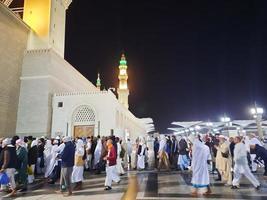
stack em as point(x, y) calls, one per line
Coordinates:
point(200, 173)
point(163, 156)
point(223, 164)
point(141, 154)
point(98, 150)
point(47, 154)
point(52, 163)
point(77, 174)
point(241, 165)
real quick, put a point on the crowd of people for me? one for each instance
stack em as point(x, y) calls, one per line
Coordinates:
point(229, 158)
point(66, 159)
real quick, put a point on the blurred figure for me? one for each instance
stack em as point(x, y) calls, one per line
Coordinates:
point(88, 163)
point(174, 151)
point(183, 159)
point(200, 157)
point(163, 156)
point(53, 169)
point(253, 140)
point(222, 160)
point(120, 156)
point(22, 156)
point(141, 154)
point(9, 164)
point(32, 159)
point(241, 165)
point(97, 153)
point(129, 152)
point(156, 151)
point(40, 159)
point(67, 163)
point(77, 174)
point(261, 153)
point(111, 171)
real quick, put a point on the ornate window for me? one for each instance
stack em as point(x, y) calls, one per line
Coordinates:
point(83, 114)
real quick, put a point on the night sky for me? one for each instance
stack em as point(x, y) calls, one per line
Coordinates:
point(187, 60)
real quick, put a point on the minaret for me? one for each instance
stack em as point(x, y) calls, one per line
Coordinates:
point(98, 82)
point(123, 91)
point(47, 20)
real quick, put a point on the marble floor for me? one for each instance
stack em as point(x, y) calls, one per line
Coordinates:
point(148, 185)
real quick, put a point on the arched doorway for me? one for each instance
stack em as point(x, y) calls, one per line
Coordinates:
point(83, 121)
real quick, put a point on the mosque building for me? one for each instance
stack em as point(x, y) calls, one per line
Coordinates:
point(44, 95)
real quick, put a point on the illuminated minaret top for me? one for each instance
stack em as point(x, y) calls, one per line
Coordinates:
point(98, 82)
point(47, 19)
point(123, 91)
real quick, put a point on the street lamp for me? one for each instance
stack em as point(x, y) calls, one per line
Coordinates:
point(257, 115)
point(225, 119)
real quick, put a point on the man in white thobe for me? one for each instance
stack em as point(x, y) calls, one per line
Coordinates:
point(200, 157)
point(77, 173)
point(141, 155)
point(241, 165)
point(97, 153)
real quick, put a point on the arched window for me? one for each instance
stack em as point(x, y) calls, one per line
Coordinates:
point(84, 114)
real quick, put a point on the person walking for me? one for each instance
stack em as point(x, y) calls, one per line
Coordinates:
point(32, 159)
point(200, 157)
point(183, 162)
point(67, 163)
point(22, 156)
point(156, 151)
point(119, 157)
point(77, 174)
point(241, 165)
point(111, 171)
point(129, 152)
point(223, 164)
point(261, 153)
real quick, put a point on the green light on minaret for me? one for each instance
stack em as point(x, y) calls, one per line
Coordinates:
point(98, 81)
point(123, 62)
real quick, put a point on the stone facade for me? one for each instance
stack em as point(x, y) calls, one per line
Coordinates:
point(108, 114)
point(13, 40)
point(44, 73)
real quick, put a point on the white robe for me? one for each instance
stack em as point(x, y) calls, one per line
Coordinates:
point(200, 156)
point(47, 155)
point(119, 160)
point(141, 158)
point(53, 161)
point(77, 173)
point(97, 153)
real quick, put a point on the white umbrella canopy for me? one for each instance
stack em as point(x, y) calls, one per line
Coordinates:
point(186, 124)
point(243, 123)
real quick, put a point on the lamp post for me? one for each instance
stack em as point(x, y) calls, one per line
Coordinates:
point(227, 122)
point(257, 115)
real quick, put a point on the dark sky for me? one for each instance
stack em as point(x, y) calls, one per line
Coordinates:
point(187, 60)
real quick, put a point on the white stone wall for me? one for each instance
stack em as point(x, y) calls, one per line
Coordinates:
point(106, 107)
point(13, 41)
point(44, 73)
